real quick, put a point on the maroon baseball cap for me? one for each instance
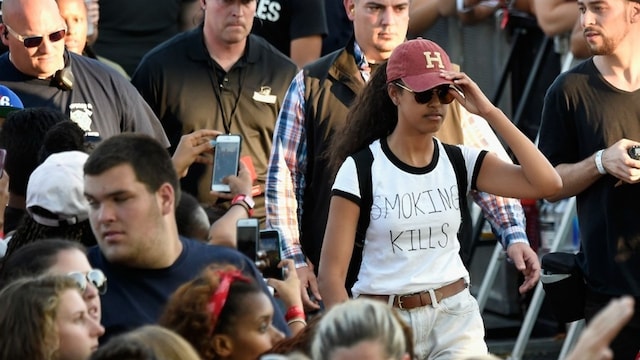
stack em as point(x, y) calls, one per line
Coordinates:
point(418, 64)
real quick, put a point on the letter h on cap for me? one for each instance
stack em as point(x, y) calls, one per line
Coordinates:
point(432, 57)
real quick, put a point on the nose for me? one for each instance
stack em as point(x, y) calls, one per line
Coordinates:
point(587, 18)
point(276, 335)
point(387, 16)
point(95, 329)
point(104, 213)
point(46, 46)
point(237, 8)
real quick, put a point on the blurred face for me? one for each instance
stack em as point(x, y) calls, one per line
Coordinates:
point(379, 25)
point(74, 260)
point(254, 333)
point(78, 333)
point(74, 13)
point(35, 19)
point(606, 23)
point(126, 218)
point(228, 21)
point(416, 117)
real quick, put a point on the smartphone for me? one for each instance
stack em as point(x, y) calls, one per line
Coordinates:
point(247, 234)
point(3, 156)
point(269, 243)
point(225, 160)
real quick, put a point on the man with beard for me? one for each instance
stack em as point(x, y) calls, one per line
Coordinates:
point(590, 122)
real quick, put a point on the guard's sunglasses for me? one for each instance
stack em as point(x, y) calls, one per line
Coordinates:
point(96, 277)
point(36, 40)
point(424, 97)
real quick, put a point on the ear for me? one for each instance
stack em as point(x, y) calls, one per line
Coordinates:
point(166, 198)
point(222, 345)
point(203, 4)
point(4, 33)
point(635, 12)
point(350, 7)
point(393, 93)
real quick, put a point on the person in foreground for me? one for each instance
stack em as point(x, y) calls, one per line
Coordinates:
point(46, 318)
point(362, 328)
point(149, 342)
point(411, 250)
point(225, 315)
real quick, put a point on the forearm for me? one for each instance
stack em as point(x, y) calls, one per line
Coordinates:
point(331, 288)
point(536, 168)
point(576, 177)
point(223, 231)
point(306, 49)
point(423, 14)
point(556, 17)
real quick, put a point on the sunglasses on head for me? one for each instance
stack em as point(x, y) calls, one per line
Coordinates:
point(424, 97)
point(95, 277)
point(36, 40)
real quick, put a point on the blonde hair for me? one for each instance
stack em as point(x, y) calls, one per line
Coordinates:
point(354, 321)
point(165, 343)
point(27, 319)
point(146, 343)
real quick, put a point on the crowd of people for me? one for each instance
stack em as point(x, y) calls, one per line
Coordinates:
point(362, 143)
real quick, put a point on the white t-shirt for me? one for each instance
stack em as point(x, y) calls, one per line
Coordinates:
point(411, 244)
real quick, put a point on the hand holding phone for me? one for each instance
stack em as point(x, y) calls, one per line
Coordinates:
point(225, 160)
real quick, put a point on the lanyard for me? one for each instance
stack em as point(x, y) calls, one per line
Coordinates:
point(218, 87)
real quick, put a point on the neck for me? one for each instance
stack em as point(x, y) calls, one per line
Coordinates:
point(224, 54)
point(415, 150)
point(172, 248)
point(621, 68)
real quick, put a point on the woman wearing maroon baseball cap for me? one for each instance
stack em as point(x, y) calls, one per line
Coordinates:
point(410, 257)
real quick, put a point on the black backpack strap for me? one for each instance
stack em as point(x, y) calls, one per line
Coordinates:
point(363, 160)
point(465, 233)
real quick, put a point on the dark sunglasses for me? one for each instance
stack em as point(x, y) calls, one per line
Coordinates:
point(35, 41)
point(95, 277)
point(442, 91)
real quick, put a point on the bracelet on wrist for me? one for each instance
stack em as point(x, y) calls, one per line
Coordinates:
point(293, 321)
point(242, 205)
point(598, 160)
point(295, 312)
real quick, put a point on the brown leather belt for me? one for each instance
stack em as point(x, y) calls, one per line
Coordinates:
point(411, 301)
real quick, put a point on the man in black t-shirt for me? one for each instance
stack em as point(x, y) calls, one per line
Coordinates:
point(129, 29)
point(43, 74)
point(590, 121)
point(294, 27)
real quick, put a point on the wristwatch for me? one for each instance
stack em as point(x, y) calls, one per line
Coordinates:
point(245, 201)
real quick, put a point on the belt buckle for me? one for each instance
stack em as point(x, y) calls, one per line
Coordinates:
point(439, 296)
point(399, 297)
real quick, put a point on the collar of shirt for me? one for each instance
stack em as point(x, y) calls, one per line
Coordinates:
point(361, 61)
